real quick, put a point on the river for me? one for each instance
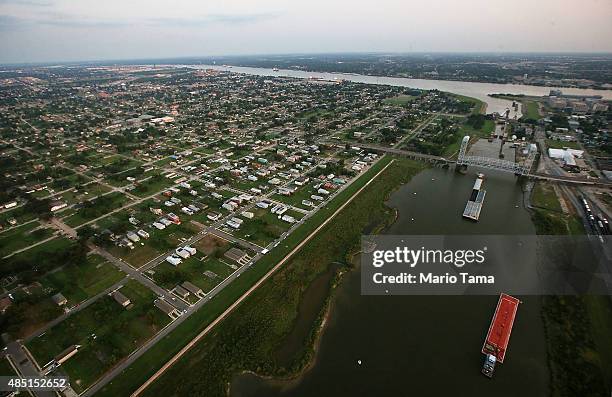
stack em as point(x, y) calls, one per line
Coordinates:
point(424, 346)
point(479, 91)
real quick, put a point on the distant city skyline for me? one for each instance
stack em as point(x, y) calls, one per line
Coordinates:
point(65, 30)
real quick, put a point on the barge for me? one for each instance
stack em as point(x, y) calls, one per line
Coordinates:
point(474, 204)
point(496, 343)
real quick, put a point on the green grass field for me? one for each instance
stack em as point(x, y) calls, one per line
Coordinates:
point(106, 331)
point(80, 282)
point(35, 256)
point(264, 228)
point(19, 214)
point(193, 270)
point(483, 132)
point(544, 196)
point(478, 106)
point(530, 110)
point(5, 367)
point(303, 193)
point(21, 237)
point(578, 330)
point(554, 144)
point(599, 309)
point(103, 205)
point(152, 185)
point(400, 100)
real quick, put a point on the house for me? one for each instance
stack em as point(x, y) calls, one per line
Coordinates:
point(59, 299)
point(174, 218)
point(66, 354)
point(5, 303)
point(262, 204)
point(213, 216)
point(182, 253)
point(12, 204)
point(232, 224)
point(236, 255)
point(181, 292)
point(121, 299)
point(230, 205)
point(173, 260)
point(288, 219)
point(167, 308)
point(195, 290)
point(191, 250)
point(57, 205)
point(133, 236)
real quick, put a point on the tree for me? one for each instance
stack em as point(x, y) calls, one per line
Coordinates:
point(85, 233)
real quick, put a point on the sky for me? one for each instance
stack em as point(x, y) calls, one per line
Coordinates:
point(79, 30)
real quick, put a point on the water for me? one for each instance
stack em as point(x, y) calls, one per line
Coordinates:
point(424, 346)
point(479, 91)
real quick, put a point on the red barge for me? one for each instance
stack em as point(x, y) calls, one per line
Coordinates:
point(496, 343)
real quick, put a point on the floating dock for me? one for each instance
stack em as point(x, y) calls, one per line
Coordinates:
point(474, 204)
point(496, 343)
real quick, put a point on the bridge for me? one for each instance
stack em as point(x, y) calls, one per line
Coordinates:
point(495, 163)
point(491, 163)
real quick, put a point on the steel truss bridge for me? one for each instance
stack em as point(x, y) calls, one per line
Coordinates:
point(493, 163)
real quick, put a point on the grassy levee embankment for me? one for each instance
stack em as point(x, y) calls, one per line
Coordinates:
point(249, 336)
point(578, 328)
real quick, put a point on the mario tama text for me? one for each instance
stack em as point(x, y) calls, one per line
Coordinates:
point(480, 265)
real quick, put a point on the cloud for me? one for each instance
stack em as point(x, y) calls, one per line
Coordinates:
point(74, 22)
point(227, 19)
point(34, 3)
point(63, 20)
point(9, 22)
point(58, 19)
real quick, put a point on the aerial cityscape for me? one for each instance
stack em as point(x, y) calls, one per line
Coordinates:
point(372, 219)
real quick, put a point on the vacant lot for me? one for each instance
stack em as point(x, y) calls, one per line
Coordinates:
point(106, 331)
point(204, 271)
point(80, 282)
point(22, 236)
point(95, 208)
point(265, 227)
point(554, 144)
point(544, 196)
point(400, 100)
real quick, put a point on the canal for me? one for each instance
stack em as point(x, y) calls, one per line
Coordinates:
point(424, 345)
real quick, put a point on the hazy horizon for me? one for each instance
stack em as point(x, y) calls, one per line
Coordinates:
point(48, 31)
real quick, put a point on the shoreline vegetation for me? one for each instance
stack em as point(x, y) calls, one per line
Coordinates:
point(316, 333)
point(578, 328)
point(248, 338)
